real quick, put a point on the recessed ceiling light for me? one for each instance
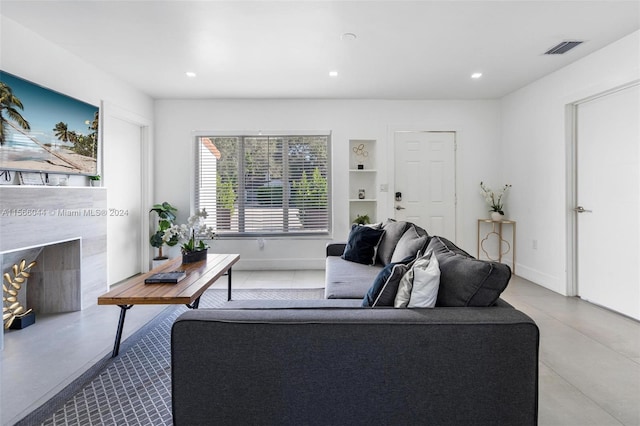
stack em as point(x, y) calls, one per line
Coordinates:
point(348, 37)
point(333, 73)
point(476, 75)
point(190, 74)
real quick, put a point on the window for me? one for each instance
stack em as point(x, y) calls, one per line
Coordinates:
point(264, 185)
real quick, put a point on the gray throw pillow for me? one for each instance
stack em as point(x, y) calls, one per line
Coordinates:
point(393, 231)
point(465, 280)
point(409, 244)
point(421, 231)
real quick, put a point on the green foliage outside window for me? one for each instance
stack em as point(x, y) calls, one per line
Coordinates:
point(311, 193)
point(225, 196)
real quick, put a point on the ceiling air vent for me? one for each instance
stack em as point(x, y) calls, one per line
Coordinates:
point(563, 47)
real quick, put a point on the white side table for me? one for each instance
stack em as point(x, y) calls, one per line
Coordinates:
point(504, 247)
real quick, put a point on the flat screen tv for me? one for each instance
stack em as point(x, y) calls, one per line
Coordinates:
point(45, 131)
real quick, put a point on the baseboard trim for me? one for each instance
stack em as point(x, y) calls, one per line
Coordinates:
point(279, 264)
point(542, 279)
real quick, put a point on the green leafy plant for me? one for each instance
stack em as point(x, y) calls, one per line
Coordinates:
point(494, 200)
point(225, 195)
point(94, 177)
point(166, 217)
point(362, 219)
point(310, 197)
point(311, 193)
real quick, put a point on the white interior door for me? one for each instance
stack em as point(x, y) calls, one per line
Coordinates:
point(608, 232)
point(425, 180)
point(122, 177)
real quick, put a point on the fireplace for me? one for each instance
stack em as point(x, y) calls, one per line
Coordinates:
point(54, 284)
point(65, 228)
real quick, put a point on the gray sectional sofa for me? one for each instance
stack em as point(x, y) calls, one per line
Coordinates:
point(473, 359)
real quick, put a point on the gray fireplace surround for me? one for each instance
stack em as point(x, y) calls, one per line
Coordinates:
point(64, 229)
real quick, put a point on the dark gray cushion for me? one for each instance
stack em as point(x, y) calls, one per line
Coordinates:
point(409, 244)
point(362, 244)
point(464, 280)
point(355, 366)
point(335, 249)
point(393, 231)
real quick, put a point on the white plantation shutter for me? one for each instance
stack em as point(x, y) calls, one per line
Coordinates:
point(264, 185)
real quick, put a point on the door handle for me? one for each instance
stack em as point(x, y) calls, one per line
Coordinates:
point(399, 208)
point(581, 209)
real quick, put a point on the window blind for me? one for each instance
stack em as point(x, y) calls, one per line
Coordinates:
point(264, 185)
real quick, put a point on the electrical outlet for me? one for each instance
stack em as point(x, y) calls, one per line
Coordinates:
point(534, 244)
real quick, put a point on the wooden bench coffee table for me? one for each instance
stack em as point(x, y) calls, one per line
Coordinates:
point(200, 275)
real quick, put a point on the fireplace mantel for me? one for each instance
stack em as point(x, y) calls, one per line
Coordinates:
point(40, 216)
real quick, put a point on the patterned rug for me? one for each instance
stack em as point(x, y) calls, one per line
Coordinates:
point(135, 387)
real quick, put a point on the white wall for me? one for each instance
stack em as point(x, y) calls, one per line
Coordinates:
point(29, 56)
point(477, 124)
point(534, 158)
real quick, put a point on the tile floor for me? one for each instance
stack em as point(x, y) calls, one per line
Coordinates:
point(589, 357)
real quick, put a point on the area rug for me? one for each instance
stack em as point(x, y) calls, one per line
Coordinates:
point(135, 387)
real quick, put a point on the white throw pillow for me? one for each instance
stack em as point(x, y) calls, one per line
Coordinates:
point(406, 283)
point(426, 282)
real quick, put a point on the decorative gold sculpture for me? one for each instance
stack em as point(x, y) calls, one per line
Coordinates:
point(11, 308)
point(359, 150)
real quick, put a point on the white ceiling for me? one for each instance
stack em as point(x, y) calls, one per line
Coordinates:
point(285, 49)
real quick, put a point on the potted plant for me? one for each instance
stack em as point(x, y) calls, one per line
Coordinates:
point(494, 200)
point(193, 233)
point(94, 180)
point(362, 219)
point(166, 216)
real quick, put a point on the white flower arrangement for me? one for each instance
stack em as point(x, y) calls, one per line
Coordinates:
point(495, 202)
point(194, 232)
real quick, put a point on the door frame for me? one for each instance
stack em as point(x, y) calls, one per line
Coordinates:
point(389, 200)
point(571, 134)
point(146, 169)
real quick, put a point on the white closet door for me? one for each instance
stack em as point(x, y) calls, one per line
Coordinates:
point(608, 140)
